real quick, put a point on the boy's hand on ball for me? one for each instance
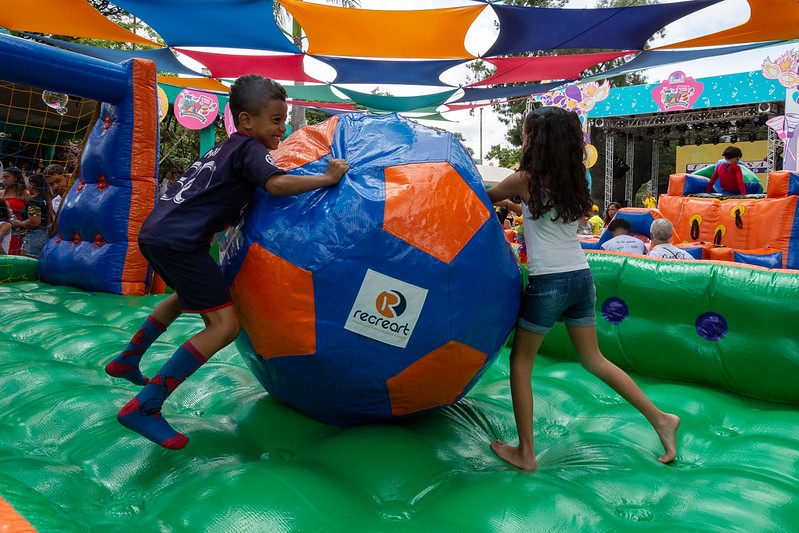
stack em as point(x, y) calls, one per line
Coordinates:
point(336, 169)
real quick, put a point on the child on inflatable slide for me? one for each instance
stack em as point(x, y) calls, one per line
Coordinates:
point(728, 172)
point(206, 199)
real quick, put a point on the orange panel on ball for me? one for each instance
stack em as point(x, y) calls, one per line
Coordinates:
point(419, 200)
point(454, 366)
point(275, 304)
point(305, 145)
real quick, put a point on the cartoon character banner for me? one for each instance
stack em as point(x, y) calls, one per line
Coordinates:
point(785, 70)
point(196, 110)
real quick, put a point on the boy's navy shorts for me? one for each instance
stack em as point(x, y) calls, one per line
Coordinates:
point(194, 276)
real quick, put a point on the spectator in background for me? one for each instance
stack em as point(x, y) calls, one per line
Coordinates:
point(622, 241)
point(35, 226)
point(168, 179)
point(584, 226)
point(661, 232)
point(16, 195)
point(610, 212)
point(5, 226)
point(57, 181)
point(25, 166)
point(596, 221)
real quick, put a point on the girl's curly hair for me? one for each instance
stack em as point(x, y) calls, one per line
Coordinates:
point(553, 157)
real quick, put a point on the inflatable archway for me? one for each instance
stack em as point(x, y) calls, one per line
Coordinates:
point(95, 246)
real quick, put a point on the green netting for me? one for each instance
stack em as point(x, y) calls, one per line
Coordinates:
point(33, 132)
point(255, 465)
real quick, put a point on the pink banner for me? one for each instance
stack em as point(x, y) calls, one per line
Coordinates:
point(678, 93)
point(230, 127)
point(196, 110)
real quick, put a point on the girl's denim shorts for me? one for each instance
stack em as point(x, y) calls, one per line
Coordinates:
point(568, 297)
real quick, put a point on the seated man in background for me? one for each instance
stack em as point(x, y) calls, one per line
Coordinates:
point(661, 231)
point(622, 241)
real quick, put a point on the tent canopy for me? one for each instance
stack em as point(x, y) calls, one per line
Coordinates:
point(387, 47)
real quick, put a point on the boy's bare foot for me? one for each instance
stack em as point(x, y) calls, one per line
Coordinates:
point(667, 431)
point(514, 455)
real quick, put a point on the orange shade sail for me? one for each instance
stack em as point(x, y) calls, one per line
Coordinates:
point(75, 18)
point(430, 33)
point(207, 84)
point(770, 20)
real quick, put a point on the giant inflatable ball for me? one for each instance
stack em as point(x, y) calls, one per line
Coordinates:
point(388, 294)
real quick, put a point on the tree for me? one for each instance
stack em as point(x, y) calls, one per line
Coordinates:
point(507, 157)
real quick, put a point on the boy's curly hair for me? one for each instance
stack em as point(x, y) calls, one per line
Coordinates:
point(251, 93)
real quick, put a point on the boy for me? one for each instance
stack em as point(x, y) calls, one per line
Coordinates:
point(57, 181)
point(728, 172)
point(622, 241)
point(206, 199)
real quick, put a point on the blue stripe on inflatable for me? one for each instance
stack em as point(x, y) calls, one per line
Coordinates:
point(793, 184)
point(93, 222)
point(32, 63)
point(792, 260)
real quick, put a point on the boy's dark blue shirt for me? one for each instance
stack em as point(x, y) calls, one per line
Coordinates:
point(209, 196)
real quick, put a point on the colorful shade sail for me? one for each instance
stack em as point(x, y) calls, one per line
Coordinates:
point(64, 17)
point(769, 20)
point(524, 69)
point(164, 59)
point(430, 33)
point(472, 94)
point(391, 47)
point(221, 23)
point(397, 103)
point(208, 84)
point(526, 29)
point(231, 65)
point(659, 57)
point(401, 72)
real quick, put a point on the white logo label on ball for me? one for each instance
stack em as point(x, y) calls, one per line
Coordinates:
point(386, 309)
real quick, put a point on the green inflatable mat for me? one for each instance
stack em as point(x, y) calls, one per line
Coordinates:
point(255, 465)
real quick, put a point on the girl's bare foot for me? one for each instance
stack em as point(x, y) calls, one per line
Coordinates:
point(514, 455)
point(667, 431)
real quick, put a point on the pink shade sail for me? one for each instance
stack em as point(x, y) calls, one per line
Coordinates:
point(528, 69)
point(279, 67)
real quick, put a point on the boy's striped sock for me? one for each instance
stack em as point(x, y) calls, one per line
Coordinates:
point(143, 413)
point(126, 364)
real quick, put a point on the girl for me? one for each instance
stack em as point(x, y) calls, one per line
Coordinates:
point(36, 224)
point(611, 211)
point(554, 194)
point(16, 194)
point(5, 226)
